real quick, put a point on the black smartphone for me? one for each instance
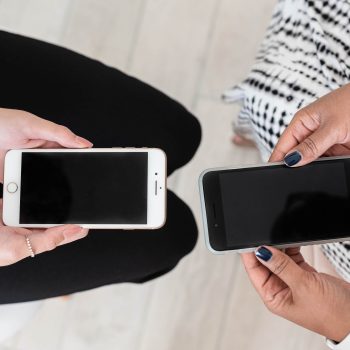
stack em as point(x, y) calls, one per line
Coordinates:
point(272, 204)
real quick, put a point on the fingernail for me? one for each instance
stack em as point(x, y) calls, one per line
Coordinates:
point(83, 142)
point(292, 159)
point(263, 253)
point(73, 230)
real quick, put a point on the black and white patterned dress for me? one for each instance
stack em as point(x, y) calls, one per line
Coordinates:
point(305, 54)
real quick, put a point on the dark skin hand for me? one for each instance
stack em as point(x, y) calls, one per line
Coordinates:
point(294, 290)
point(321, 128)
point(288, 286)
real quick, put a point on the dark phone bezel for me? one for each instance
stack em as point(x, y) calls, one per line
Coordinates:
point(216, 234)
point(214, 211)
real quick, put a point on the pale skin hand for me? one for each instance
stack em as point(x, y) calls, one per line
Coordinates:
point(292, 289)
point(13, 246)
point(20, 129)
point(322, 128)
point(288, 286)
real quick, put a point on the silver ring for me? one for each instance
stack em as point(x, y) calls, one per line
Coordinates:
point(30, 248)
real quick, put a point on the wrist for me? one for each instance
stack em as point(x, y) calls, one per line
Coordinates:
point(340, 330)
point(343, 345)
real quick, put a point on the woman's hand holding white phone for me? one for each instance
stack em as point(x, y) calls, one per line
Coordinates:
point(20, 129)
point(48, 198)
point(14, 241)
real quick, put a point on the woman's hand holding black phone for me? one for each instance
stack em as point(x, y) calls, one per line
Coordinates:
point(292, 289)
point(321, 128)
point(289, 286)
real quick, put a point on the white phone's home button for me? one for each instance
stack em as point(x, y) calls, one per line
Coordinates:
point(12, 187)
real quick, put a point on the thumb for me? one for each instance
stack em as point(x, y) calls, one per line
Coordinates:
point(280, 264)
point(311, 148)
point(42, 129)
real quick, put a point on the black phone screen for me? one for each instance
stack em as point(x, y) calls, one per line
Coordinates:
point(84, 187)
point(280, 205)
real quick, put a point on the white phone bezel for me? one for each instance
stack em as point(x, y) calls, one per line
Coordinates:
point(156, 188)
point(204, 213)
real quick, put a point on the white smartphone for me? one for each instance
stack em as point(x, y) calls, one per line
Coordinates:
point(113, 188)
point(271, 204)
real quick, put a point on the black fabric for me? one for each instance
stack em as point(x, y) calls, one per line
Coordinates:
point(110, 109)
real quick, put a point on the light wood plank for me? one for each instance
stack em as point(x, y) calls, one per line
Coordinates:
point(46, 328)
point(107, 318)
point(238, 31)
point(172, 43)
point(41, 19)
point(103, 29)
point(248, 325)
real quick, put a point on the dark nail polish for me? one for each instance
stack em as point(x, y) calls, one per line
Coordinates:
point(293, 158)
point(263, 253)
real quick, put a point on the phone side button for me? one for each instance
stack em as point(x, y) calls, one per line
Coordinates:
point(12, 187)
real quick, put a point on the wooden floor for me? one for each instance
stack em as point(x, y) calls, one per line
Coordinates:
point(192, 50)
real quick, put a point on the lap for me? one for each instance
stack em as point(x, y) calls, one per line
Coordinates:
point(98, 102)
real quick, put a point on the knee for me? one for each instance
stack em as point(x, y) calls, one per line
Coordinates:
point(178, 130)
point(185, 136)
point(190, 134)
point(182, 229)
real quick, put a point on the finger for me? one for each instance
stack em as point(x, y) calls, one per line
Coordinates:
point(59, 228)
point(41, 144)
point(13, 246)
point(264, 281)
point(33, 143)
point(42, 129)
point(51, 144)
point(257, 272)
point(295, 254)
point(71, 232)
point(281, 265)
point(338, 150)
point(55, 236)
point(303, 124)
point(311, 148)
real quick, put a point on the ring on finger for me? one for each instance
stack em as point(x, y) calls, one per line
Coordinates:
point(30, 248)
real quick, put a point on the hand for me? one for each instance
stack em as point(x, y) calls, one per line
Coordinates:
point(322, 128)
point(292, 289)
point(13, 245)
point(19, 129)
